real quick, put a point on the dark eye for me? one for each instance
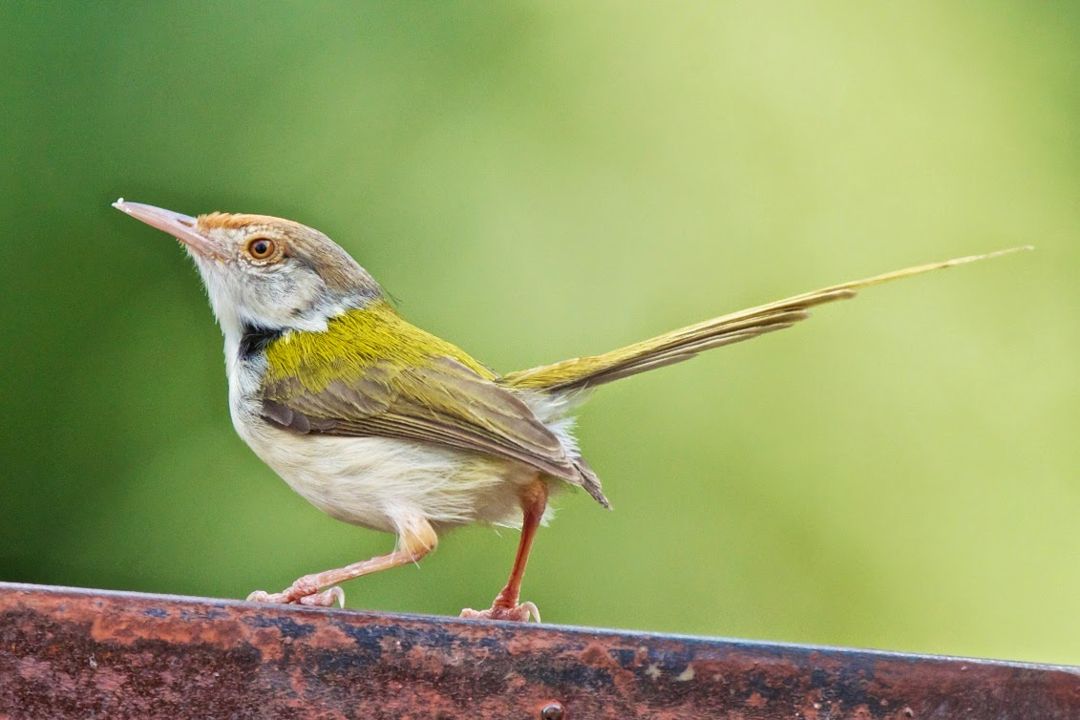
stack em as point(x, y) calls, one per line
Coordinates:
point(261, 248)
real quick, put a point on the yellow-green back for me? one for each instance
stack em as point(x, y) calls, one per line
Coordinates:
point(353, 342)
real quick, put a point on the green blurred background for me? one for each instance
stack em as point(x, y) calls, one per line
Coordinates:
point(540, 180)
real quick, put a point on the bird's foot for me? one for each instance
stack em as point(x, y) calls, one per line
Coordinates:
point(302, 592)
point(504, 611)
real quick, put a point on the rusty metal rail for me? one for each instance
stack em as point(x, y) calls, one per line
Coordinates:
point(69, 653)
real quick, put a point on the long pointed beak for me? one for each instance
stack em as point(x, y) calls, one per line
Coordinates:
point(183, 227)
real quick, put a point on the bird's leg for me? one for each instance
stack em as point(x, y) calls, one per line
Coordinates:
point(506, 605)
point(416, 538)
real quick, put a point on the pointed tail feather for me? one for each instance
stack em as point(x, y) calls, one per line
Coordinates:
point(684, 343)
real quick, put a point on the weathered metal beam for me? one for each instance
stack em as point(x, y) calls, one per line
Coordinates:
point(69, 653)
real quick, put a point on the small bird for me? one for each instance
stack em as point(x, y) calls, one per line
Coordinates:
point(382, 425)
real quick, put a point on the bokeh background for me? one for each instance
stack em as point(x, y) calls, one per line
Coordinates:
point(539, 180)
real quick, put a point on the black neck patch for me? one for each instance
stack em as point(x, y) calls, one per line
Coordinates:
point(255, 339)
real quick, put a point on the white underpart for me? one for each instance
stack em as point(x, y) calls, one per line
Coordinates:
point(556, 412)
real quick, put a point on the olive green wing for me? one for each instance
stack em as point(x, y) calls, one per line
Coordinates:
point(443, 402)
point(434, 399)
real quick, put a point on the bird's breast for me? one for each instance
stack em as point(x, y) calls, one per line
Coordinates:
point(375, 481)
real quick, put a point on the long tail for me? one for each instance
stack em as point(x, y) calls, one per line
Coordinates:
point(685, 343)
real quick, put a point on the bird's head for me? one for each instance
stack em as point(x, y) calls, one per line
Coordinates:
point(263, 271)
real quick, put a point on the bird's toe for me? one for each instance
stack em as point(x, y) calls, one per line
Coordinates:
point(327, 598)
point(515, 613)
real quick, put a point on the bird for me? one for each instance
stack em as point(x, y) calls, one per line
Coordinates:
point(383, 425)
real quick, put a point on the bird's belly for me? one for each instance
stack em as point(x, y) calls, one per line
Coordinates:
point(378, 482)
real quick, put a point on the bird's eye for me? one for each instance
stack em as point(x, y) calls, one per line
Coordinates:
point(261, 248)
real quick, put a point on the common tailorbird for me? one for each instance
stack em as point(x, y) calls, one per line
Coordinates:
point(381, 424)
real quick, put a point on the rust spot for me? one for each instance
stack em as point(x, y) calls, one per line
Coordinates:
point(594, 654)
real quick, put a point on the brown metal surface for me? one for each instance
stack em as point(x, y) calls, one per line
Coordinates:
point(67, 653)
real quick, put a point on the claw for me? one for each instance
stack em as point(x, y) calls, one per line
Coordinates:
point(532, 610)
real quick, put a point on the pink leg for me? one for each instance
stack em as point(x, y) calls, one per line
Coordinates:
point(506, 606)
point(415, 541)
